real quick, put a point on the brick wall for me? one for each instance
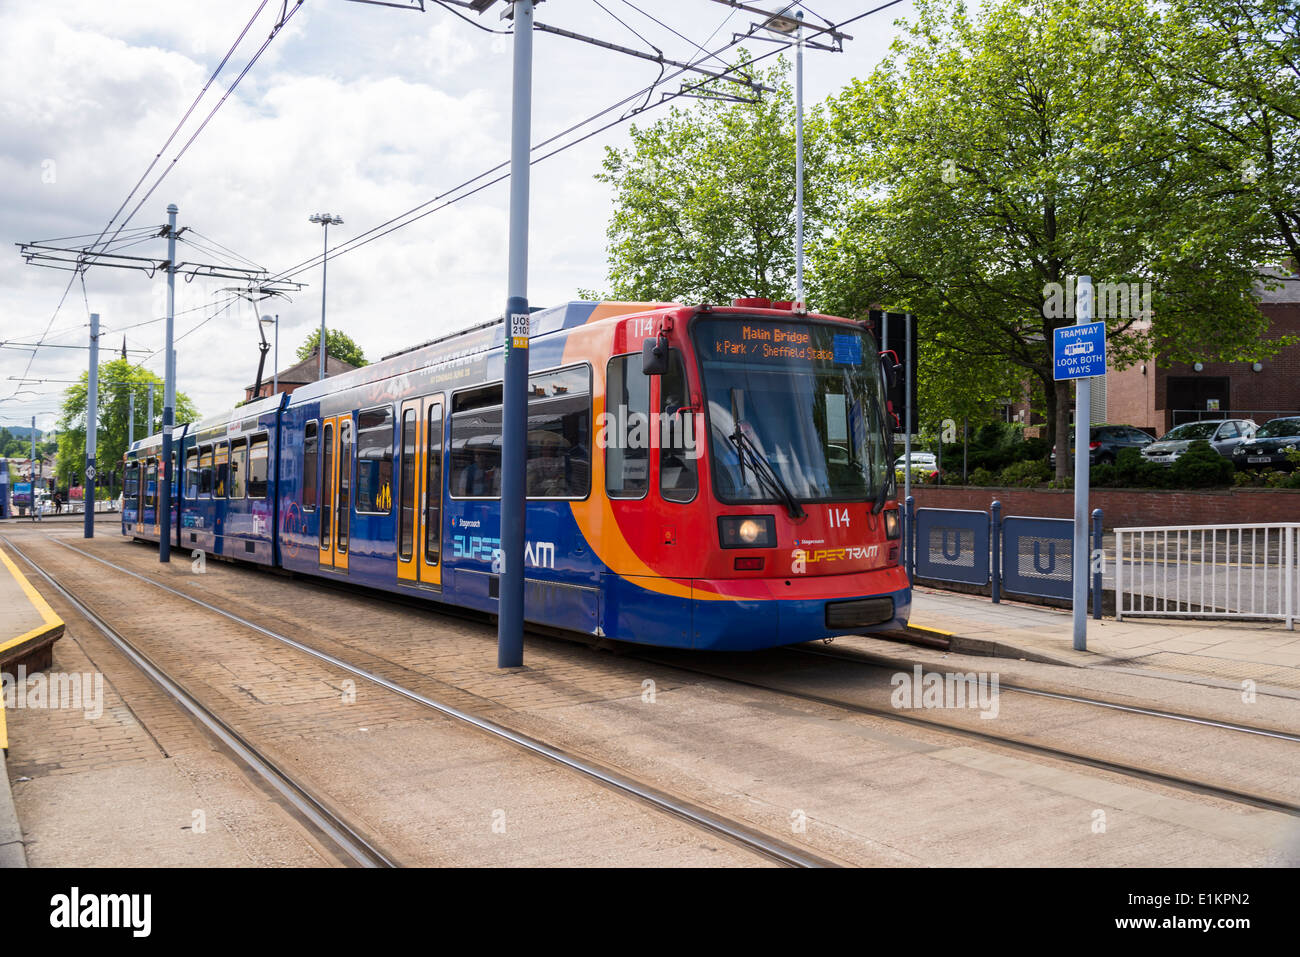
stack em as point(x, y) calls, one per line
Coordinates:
point(1126, 507)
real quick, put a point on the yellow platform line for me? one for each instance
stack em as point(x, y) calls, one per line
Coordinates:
point(48, 616)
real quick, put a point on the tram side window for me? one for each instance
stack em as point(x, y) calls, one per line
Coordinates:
point(205, 472)
point(192, 474)
point(476, 443)
point(257, 467)
point(131, 481)
point(627, 428)
point(151, 484)
point(238, 468)
point(375, 461)
point(559, 434)
point(406, 517)
point(310, 466)
point(678, 443)
point(433, 485)
point(221, 476)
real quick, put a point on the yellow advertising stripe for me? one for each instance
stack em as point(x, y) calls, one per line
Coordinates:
point(47, 613)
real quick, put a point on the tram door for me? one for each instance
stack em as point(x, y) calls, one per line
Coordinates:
point(336, 491)
point(419, 518)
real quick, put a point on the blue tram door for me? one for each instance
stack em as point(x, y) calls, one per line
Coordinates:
point(336, 491)
point(419, 514)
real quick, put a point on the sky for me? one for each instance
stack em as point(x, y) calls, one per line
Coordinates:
point(359, 110)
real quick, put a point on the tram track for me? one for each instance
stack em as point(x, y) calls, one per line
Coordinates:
point(733, 831)
point(1016, 743)
point(328, 824)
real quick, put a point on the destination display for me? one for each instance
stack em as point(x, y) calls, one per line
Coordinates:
point(741, 340)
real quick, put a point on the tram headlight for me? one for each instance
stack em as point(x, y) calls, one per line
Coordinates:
point(747, 531)
point(892, 524)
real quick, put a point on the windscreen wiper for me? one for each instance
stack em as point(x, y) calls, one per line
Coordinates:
point(763, 469)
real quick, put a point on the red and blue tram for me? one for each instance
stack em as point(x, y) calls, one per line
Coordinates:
point(701, 477)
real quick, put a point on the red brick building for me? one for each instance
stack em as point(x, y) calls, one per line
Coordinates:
point(1156, 396)
point(306, 371)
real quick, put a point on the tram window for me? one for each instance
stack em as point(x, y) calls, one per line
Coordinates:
point(627, 429)
point(174, 475)
point(375, 461)
point(131, 481)
point(238, 468)
point(678, 443)
point(310, 466)
point(433, 485)
point(257, 462)
point(345, 484)
point(221, 473)
point(559, 433)
point(406, 512)
point(205, 472)
point(476, 443)
point(192, 474)
point(151, 484)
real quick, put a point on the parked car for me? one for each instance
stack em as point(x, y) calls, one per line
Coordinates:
point(920, 460)
point(1224, 435)
point(1270, 445)
point(1106, 441)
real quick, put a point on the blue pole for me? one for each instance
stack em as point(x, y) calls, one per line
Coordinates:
point(514, 415)
point(995, 540)
point(1096, 571)
point(92, 429)
point(165, 469)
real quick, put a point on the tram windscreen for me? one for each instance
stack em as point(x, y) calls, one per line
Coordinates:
point(807, 397)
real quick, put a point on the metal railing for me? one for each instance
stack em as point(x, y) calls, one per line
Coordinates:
point(1208, 571)
point(1258, 416)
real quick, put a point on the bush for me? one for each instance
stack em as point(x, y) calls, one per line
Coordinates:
point(1026, 474)
point(1201, 467)
point(1104, 476)
point(983, 476)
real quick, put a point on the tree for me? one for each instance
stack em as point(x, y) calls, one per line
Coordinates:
point(705, 199)
point(340, 346)
point(1233, 69)
point(987, 161)
point(118, 380)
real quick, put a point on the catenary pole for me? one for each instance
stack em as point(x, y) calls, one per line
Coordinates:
point(165, 469)
point(92, 427)
point(1080, 559)
point(514, 450)
point(798, 160)
point(130, 418)
point(149, 419)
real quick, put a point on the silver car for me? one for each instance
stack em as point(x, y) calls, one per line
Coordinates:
point(1224, 435)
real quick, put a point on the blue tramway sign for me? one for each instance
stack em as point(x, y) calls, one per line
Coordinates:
point(1079, 352)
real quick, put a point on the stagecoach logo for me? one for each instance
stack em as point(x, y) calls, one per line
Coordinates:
point(801, 558)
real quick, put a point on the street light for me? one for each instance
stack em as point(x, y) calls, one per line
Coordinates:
point(275, 372)
point(326, 220)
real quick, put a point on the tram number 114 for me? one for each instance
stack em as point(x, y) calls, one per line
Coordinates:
point(839, 518)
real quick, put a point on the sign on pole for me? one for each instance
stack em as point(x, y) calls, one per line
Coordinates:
point(1079, 352)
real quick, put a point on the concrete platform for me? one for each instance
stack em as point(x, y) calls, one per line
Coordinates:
point(1211, 652)
point(28, 626)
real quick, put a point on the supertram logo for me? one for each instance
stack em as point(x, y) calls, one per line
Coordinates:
point(800, 559)
point(481, 548)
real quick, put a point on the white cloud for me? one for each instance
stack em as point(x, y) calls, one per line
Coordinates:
point(355, 109)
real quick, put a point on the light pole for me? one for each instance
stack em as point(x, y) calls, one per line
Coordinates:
point(275, 372)
point(326, 220)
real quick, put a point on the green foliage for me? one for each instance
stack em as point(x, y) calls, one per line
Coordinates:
point(989, 156)
point(1201, 467)
point(705, 198)
point(983, 476)
point(1025, 474)
point(340, 346)
point(118, 380)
